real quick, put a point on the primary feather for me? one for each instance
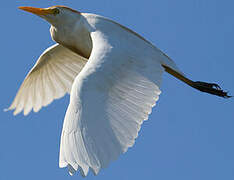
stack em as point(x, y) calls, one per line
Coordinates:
point(50, 78)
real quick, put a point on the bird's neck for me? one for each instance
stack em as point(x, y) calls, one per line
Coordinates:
point(75, 37)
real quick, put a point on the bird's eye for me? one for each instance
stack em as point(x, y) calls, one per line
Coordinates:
point(56, 11)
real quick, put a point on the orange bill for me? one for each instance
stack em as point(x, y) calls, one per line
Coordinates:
point(37, 11)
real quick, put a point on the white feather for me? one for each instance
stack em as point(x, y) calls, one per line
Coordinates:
point(50, 78)
point(112, 94)
point(110, 98)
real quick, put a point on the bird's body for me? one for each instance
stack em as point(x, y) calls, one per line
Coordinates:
point(113, 76)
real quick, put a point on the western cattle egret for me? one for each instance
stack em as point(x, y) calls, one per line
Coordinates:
point(113, 76)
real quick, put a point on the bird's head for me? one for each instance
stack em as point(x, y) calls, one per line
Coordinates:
point(55, 15)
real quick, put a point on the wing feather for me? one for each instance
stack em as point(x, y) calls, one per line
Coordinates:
point(110, 99)
point(50, 78)
point(49, 87)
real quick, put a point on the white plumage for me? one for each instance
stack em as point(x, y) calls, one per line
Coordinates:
point(114, 77)
point(110, 98)
point(50, 78)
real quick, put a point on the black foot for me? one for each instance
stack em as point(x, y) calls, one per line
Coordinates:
point(210, 88)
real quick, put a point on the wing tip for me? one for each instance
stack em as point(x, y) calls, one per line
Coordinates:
point(6, 109)
point(10, 109)
point(73, 168)
point(25, 111)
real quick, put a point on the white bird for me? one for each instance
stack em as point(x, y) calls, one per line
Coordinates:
point(113, 76)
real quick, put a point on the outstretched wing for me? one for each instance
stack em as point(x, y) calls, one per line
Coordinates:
point(50, 78)
point(110, 99)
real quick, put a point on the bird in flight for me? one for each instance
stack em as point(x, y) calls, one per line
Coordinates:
point(113, 76)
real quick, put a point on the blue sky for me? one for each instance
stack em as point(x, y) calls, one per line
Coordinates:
point(189, 134)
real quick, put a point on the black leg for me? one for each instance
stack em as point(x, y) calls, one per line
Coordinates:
point(210, 88)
